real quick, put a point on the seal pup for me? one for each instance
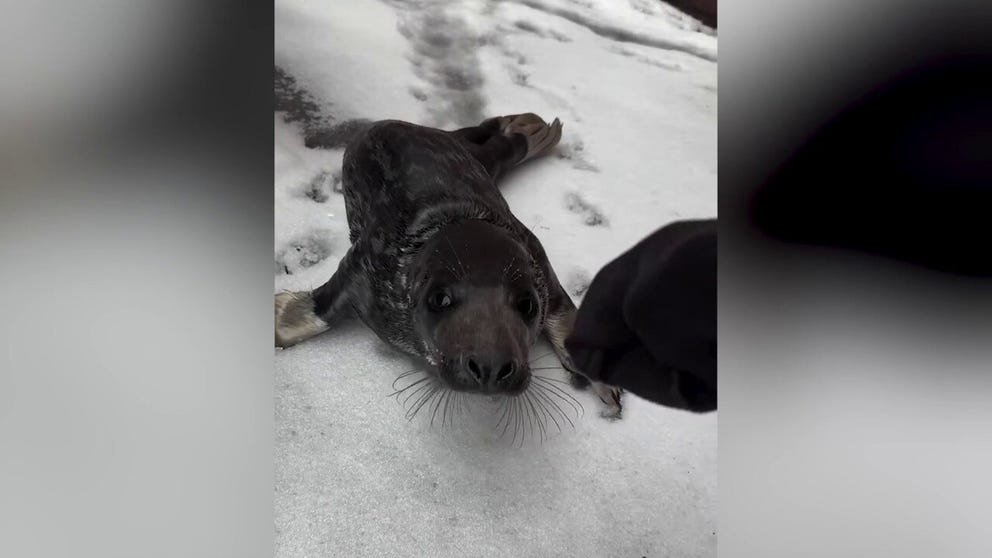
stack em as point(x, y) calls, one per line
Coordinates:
point(438, 266)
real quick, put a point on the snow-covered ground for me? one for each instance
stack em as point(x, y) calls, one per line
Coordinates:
point(635, 84)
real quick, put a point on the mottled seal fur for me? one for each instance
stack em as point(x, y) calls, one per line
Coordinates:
point(439, 267)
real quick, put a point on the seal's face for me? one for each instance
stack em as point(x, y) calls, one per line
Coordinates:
point(477, 308)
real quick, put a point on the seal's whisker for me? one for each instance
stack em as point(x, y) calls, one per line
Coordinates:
point(421, 402)
point(523, 420)
point(508, 266)
point(563, 395)
point(399, 392)
point(545, 355)
point(424, 392)
point(444, 408)
point(429, 400)
point(544, 407)
point(516, 420)
point(537, 417)
point(405, 375)
point(435, 400)
point(452, 269)
point(562, 411)
point(408, 372)
point(551, 381)
point(510, 415)
point(505, 406)
point(545, 412)
point(523, 423)
point(455, 253)
point(541, 392)
point(416, 391)
point(438, 398)
point(447, 404)
point(530, 418)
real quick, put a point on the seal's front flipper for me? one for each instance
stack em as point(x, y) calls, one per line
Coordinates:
point(558, 325)
point(302, 315)
point(296, 318)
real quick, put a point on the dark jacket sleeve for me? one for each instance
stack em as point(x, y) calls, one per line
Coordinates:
point(648, 322)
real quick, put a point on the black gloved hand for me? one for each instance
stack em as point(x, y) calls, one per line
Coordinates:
point(648, 321)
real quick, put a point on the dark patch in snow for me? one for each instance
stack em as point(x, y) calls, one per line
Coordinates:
point(418, 94)
point(300, 106)
point(445, 57)
point(297, 103)
point(591, 215)
point(318, 189)
point(648, 7)
point(573, 150)
point(303, 253)
point(519, 77)
point(515, 55)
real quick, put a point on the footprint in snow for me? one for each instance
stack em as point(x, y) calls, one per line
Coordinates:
point(304, 252)
point(591, 215)
point(320, 187)
point(574, 151)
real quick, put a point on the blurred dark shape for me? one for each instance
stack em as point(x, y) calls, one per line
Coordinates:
point(703, 10)
point(648, 321)
point(903, 172)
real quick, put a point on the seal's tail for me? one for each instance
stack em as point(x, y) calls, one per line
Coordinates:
point(541, 137)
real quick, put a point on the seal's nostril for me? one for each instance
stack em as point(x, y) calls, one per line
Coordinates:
point(475, 370)
point(506, 371)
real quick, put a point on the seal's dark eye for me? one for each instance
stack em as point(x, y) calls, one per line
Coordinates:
point(439, 300)
point(527, 307)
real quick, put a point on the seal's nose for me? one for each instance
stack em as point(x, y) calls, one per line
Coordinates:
point(491, 374)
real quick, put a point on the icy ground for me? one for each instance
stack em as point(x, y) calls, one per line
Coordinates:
point(635, 84)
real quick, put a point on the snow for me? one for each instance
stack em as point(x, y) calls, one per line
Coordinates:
point(635, 84)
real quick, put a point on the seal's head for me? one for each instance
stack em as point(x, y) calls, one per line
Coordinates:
point(477, 307)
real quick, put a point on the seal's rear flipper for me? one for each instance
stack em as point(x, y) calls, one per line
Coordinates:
point(296, 318)
point(540, 136)
point(503, 142)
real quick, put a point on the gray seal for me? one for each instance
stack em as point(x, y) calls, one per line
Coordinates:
point(438, 266)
